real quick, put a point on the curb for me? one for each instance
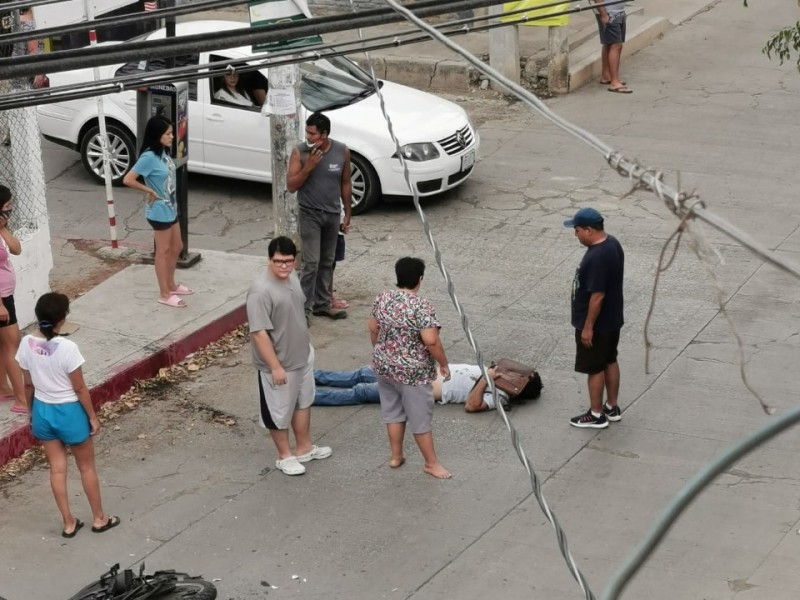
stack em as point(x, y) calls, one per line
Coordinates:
point(165, 353)
point(589, 67)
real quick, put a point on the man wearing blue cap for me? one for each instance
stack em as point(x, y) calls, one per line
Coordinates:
point(597, 316)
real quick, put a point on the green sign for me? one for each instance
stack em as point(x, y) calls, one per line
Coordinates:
point(273, 12)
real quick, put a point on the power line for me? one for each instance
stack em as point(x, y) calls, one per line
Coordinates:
point(117, 21)
point(54, 62)
point(515, 441)
point(192, 73)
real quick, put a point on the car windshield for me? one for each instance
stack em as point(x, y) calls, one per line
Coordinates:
point(332, 83)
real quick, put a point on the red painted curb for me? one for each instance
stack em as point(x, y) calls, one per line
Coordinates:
point(20, 438)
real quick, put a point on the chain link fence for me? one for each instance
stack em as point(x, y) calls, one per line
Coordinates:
point(21, 169)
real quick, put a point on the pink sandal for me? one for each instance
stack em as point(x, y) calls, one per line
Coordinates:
point(182, 290)
point(340, 304)
point(20, 410)
point(173, 301)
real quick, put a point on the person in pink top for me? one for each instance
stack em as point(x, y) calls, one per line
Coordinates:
point(9, 329)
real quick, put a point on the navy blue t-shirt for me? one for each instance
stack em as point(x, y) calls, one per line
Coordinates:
point(601, 270)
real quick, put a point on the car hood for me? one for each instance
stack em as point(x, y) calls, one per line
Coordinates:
point(416, 116)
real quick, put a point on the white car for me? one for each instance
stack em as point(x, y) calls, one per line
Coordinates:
point(437, 138)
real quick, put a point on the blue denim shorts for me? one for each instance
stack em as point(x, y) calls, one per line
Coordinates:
point(66, 422)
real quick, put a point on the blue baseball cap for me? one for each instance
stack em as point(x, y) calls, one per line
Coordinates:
point(585, 217)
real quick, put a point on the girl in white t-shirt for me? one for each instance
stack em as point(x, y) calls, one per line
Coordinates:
point(61, 410)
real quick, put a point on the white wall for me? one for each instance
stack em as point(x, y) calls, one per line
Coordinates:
point(33, 268)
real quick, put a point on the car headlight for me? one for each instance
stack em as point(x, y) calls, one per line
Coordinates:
point(419, 152)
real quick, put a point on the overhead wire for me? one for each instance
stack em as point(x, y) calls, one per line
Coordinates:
point(102, 23)
point(686, 206)
point(65, 60)
point(87, 89)
point(464, 319)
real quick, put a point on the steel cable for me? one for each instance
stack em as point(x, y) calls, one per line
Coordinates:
point(535, 482)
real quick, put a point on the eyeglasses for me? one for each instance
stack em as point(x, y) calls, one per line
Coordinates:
point(283, 262)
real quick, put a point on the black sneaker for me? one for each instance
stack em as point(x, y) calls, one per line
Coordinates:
point(612, 414)
point(587, 419)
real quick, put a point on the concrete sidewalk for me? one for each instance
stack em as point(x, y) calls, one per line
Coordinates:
point(125, 335)
point(430, 65)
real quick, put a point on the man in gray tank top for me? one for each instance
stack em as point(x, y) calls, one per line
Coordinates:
point(319, 171)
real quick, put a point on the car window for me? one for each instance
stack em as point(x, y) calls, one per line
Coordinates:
point(159, 64)
point(332, 83)
point(250, 87)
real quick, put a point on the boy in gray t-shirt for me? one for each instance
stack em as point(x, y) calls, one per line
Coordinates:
point(283, 356)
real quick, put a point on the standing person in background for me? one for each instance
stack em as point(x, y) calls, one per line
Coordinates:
point(284, 358)
point(611, 24)
point(9, 329)
point(404, 332)
point(24, 48)
point(61, 410)
point(597, 316)
point(319, 171)
point(155, 166)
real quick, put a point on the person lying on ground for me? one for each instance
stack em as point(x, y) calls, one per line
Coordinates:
point(466, 386)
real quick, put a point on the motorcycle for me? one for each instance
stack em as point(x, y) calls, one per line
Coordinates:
point(161, 585)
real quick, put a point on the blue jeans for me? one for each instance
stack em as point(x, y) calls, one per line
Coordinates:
point(344, 388)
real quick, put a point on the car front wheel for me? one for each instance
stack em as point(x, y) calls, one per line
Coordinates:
point(365, 183)
point(122, 149)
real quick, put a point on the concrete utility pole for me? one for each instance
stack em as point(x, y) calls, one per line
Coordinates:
point(283, 99)
point(557, 60)
point(504, 47)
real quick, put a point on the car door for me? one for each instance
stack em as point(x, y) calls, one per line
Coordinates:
point(236, 138)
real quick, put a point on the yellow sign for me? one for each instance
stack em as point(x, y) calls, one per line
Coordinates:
point(536, 12)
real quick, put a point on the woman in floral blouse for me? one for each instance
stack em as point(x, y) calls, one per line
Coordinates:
point(405, 343)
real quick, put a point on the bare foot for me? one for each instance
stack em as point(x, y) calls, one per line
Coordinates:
point(437, 471)
point(397, 462)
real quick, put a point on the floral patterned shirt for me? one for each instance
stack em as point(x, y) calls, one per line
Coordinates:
point(400, 354)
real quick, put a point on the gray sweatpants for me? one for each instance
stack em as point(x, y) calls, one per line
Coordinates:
point(318, 233)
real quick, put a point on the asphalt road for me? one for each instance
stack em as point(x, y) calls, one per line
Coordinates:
point(202, 497)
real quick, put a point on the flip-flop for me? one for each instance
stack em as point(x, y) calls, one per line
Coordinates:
point(182, 290)
point(620, 90)
point(338, 303)
point(173, 301)
point(7, 398)
point(110, 524)
point(601, 82)
point(20, 410)
point(71, 534)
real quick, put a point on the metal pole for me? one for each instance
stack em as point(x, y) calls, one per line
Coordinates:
point(284, 126)
point(101, 120)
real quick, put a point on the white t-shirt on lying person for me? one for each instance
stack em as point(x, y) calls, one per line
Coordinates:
point(50, 362)
point(462, 379)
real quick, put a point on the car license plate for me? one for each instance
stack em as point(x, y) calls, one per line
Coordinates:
point(467, 160)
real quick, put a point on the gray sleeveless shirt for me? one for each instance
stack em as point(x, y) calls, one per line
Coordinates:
point(323, 188)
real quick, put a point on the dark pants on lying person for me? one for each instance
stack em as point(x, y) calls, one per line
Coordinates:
point(343, 388)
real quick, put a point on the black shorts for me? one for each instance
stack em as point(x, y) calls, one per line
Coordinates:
point(161, 225)
point(612, 32)
point(602, 353)
point(8, 302)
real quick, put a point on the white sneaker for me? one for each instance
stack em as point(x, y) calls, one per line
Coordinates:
point(316, 453)
point(290, 466)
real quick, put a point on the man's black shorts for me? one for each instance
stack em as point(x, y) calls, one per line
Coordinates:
point(602, 353)
point(611, 32)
